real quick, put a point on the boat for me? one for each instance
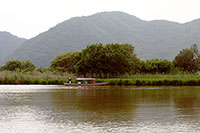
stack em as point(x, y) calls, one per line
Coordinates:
point(92, 84)
point(86, 82)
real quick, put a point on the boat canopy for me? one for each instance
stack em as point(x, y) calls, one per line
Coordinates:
point(85, 79)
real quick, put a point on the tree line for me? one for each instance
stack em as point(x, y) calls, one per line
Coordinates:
point(98, 60)
point(111, 60)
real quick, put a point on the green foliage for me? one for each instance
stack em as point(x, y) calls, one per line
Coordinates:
point(64, 62)
point(188, 59)
point(91, 60)
point(27, 66)
point(20, 66)
point(43, 69)
point(156, 66)
point(120, 58)
point(108, 59)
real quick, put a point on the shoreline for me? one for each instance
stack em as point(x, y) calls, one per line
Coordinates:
point(112, 82)
point(49, 78)
point(33, 82)
point(152, 82)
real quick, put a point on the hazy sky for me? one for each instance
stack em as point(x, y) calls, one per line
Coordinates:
point(28, 18)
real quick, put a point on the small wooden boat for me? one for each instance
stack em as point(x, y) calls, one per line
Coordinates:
point(85, 82)
point(91, 84)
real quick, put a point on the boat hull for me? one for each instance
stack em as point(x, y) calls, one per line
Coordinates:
point(93, 84)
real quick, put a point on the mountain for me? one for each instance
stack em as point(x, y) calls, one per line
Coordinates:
point(152, 39)
point(9, 43)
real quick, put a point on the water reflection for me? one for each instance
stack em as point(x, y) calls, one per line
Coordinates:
point(107, 109)
point(187, 101)
point(96, 105)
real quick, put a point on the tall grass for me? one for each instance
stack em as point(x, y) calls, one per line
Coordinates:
point(48, 77)
point(7, 77)
point(157, 79)
point(161, 76)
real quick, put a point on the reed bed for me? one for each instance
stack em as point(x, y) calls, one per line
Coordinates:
point(51, 78)
point(46, 78)
point(156, 80)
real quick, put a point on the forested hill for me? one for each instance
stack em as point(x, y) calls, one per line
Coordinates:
point(8, 44)
point(152, 39)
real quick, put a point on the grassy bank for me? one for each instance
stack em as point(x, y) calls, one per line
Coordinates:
point(45, 78)
point(156, 80)
point(50, 78)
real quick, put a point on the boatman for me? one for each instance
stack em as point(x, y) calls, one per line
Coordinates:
point(70, 80)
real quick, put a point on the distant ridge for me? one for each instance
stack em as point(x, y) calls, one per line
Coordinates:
point(152, 39)
point(9, 43)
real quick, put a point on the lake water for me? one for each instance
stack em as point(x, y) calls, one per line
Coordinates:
point(53, 109)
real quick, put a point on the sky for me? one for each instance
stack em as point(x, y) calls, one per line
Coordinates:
point(28, 18)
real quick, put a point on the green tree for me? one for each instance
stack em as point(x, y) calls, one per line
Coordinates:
point(91, 60)
point(156, 66)
point(119, 58)
point(16, 65)
point(108, 59)
point(64, 62)
point(27, 66)
point(12, 65)
point(188, 59)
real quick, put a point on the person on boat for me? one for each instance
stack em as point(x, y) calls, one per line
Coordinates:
point(70, 80)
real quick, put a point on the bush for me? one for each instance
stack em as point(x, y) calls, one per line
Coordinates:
point(20, 66)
